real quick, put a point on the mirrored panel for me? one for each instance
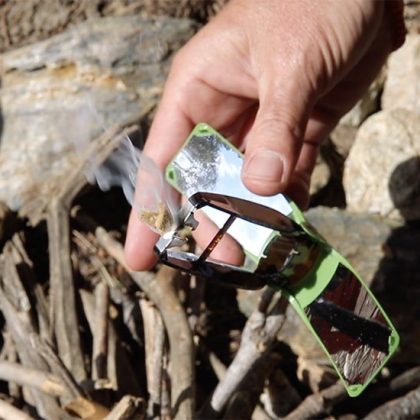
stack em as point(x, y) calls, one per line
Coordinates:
point(207, 163)
point(351, 326)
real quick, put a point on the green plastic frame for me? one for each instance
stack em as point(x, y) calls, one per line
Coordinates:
point(313, 284)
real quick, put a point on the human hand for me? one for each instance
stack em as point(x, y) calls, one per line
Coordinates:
point(274, 77)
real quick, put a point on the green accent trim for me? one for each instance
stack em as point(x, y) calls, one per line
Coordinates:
point(355, 389)
point(312, 285)
point(309, 288)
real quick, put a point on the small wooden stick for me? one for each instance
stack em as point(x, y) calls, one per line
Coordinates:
point(154, 337)
point(22, 260)
point(23, 376)
point(258, 336)
point(129, 407)
point(196, 300)
point(21, 327)
point(63, 316)
point(121, 377)
point(57, 366)
point(88, 301)
point(100, 333)
point(9, 347)
point(317, 405)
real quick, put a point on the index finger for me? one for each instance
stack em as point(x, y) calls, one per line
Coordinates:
point(169, 129)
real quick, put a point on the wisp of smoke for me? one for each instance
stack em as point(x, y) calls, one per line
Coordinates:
point(127, 167)
point(152, 199)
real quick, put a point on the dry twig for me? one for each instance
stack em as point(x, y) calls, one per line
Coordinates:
point(63, 316)
point(44, 381)
point(161, 292)
point(154, 337)
point(120, 373)
point(63, 308)
point(129, 407)
point(319, 404)
point(100, 333)
point(258, 336)
point(406, 407)
point(21, 326)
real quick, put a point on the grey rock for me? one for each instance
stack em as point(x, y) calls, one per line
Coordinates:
point(412, 16)
point(343, 137)
point(72, 87)
point(344, 134)
point(402, 86)
point(382, 171)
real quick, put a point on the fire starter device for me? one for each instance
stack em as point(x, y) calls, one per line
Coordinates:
point(283, 251)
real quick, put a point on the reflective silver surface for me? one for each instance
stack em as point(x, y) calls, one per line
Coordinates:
point(351, 326)
point(208, 164)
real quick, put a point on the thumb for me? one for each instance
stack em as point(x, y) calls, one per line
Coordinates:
point(274, 143)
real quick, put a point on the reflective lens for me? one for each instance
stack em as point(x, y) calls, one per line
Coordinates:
point(351, 326)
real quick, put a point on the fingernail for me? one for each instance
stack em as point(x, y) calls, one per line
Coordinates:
point(264, 165)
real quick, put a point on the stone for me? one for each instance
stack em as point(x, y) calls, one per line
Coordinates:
point(326, 187)
point(30, 21)
point(345, 132)
point(71, 87)
point(367, 104)
point(382, 171)
point(343, 137)
point(402, 86)
point(412, 16)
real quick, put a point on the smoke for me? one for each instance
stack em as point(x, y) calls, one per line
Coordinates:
point(127, 167)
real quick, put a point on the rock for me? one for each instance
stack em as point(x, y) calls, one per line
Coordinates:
point(30, 21)
point(326, 188)
point(412, 16)
point(343, 137)
point(320, 176)
point(366, 105)
point(73, 86)
point(382, 171)
point(402, 86)
point(344, 134)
